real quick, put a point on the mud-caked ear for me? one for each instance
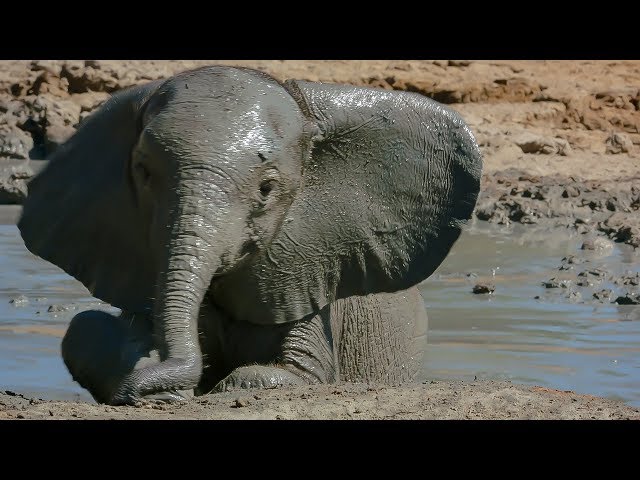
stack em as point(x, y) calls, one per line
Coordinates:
point(80, 211)
point(390, 180)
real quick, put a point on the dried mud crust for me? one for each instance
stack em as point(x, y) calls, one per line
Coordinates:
point(431, 400)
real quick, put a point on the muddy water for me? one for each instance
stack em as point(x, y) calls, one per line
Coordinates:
point(586, 347)
point(30, 334)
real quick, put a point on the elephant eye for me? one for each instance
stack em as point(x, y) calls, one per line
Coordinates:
point(142, 172)
point(265, 187)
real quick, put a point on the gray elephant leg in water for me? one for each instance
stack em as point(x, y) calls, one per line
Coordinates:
point(373, 338)
point(381, 337)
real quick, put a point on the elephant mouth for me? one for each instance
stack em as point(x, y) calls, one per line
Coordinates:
point(248, 249)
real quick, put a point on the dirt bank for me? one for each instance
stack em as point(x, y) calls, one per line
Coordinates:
point(433, 400)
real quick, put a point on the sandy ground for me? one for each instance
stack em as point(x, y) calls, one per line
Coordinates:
point(561, 142)
point(429, 401)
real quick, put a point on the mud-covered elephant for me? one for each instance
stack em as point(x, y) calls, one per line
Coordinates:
point(253, 233)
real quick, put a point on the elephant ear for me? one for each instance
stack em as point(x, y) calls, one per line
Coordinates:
point(390, 181)
point(80, 211)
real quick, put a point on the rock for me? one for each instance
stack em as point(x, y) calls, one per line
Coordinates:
point(590, 278)
point(593, 272)
point(592, 121)
point(485, 212)
point(574, 297)
point(521, 211)
point(555, 283)
point(629, 279)
point(241, 402)
point(459, 63)
point(628, 299)
point(573, 260)
point(34, 126)
point(19, 301)
point(89, 101)
point(570, 191)
point(482, 288)
point(629, 234)
point(93, 64)
point(47, 82)
point(14, 142)
point(84, 78)
point(615, 221)
point(50, 66)
point(618, 143)
point(598, 243)
point(531, 143)
point(58, 308)
point(603, 295)
point(623, 227)
point(56, 135)
point(83, 116)
point(529, 178)
point(61, 112)
point(13, 182)
point(49, 120)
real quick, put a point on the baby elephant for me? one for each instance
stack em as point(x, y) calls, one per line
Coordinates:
point(253, 233)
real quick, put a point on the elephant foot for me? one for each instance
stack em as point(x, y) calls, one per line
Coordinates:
point(170, 397)
point(259, 376)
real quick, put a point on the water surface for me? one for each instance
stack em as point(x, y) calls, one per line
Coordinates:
point(510, 335)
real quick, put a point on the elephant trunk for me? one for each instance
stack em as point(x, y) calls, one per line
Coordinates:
point(193, 255)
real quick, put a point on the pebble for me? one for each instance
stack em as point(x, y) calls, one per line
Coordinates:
point(481, 288)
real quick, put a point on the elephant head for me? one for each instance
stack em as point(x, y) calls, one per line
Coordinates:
point(273, 199)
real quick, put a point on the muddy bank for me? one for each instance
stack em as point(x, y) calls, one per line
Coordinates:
point(429, 401)
point(604, 206)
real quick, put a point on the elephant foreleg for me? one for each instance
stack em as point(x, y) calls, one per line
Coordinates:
point(99, 350)
point(302, 354)
point(380, 338)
